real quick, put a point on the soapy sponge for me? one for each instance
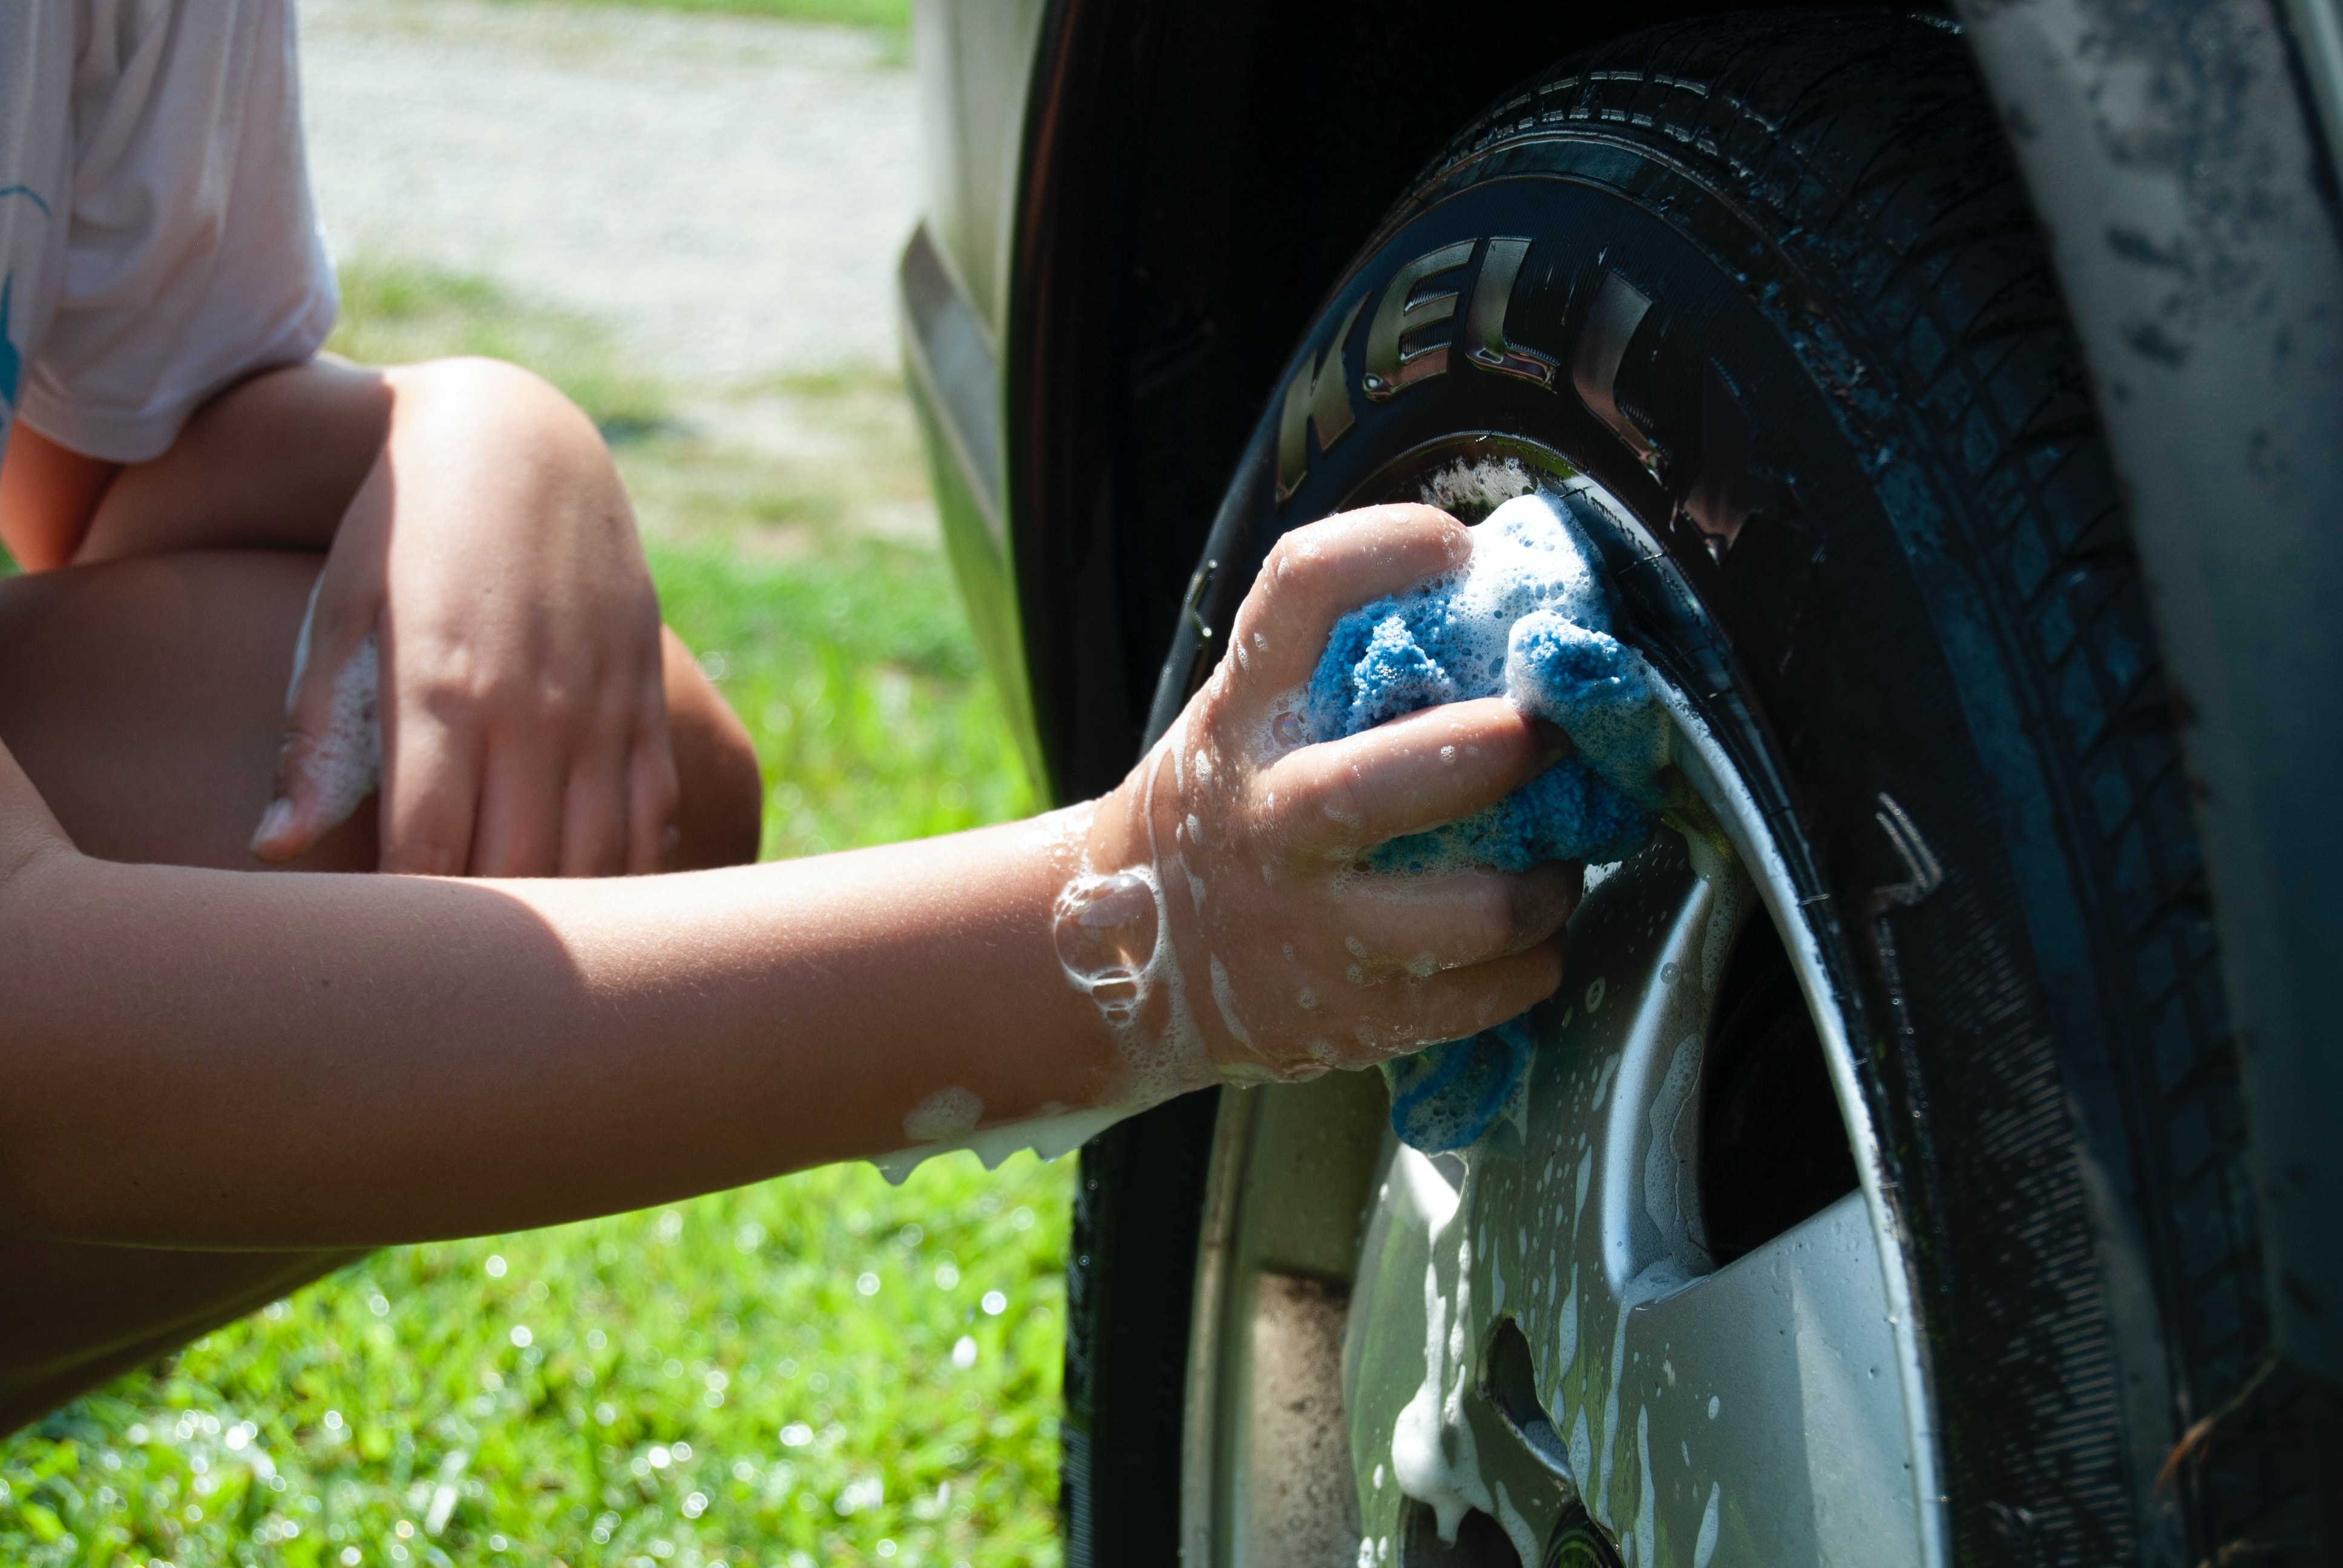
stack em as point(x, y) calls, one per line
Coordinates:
point(1529, 618)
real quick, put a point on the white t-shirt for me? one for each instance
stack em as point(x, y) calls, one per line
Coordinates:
point(157, 241)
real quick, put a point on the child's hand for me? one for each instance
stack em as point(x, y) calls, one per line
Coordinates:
point(490, 561)
point(1275, 956)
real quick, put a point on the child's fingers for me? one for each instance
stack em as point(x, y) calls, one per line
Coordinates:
point(1415, 772)
point(653, 792)
point(516, 832)
point(1423, 924)
point(1455, 1003)
point(594, 816)
point(1316, 574)
point(330, 760)
point(431, 793)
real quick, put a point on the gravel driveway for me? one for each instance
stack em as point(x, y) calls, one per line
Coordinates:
point(727, 195)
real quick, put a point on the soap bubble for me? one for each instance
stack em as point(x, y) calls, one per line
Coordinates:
point(1105, 932)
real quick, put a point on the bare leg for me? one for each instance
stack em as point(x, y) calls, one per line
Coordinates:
point(146, 700)
point(74, 1317)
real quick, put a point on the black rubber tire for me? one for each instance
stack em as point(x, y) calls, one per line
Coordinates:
point(1855, 355)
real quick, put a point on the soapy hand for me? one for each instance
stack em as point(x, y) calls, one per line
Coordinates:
point(495, 581)
point(1221, 917)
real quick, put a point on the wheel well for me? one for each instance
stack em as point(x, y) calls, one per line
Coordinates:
point(1197, 172)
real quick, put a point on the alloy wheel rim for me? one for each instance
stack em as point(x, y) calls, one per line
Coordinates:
point(1569, 1345)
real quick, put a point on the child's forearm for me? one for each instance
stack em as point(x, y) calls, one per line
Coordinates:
point(270, 463)
point(203, 1058)
point(208, 1058)
point(274, 461)
point(47, 494)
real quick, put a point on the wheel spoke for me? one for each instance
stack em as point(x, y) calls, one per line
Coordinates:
point(1543, 1327)
point(1766, 1398)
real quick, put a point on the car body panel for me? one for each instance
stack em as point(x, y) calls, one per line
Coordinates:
point(974, 63)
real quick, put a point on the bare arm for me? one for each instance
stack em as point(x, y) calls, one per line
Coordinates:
point(321, 1061)
point(49, 493)
point(207, 1059)
point(272, 462)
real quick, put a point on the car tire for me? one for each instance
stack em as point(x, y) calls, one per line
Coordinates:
point(1773, 285)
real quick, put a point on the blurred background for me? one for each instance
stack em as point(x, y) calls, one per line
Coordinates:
point(686, 213)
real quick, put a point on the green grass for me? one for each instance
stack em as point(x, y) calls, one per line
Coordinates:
point(706, 1383)
point(890, 17)
point(762, 1377)
point(853, 670)
point(393, 313)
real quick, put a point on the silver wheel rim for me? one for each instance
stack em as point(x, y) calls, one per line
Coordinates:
point(1526, 1353)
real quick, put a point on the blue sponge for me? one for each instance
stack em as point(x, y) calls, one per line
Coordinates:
point(1528, 618)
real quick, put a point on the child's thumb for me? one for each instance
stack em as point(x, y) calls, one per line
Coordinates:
point(331, 760)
